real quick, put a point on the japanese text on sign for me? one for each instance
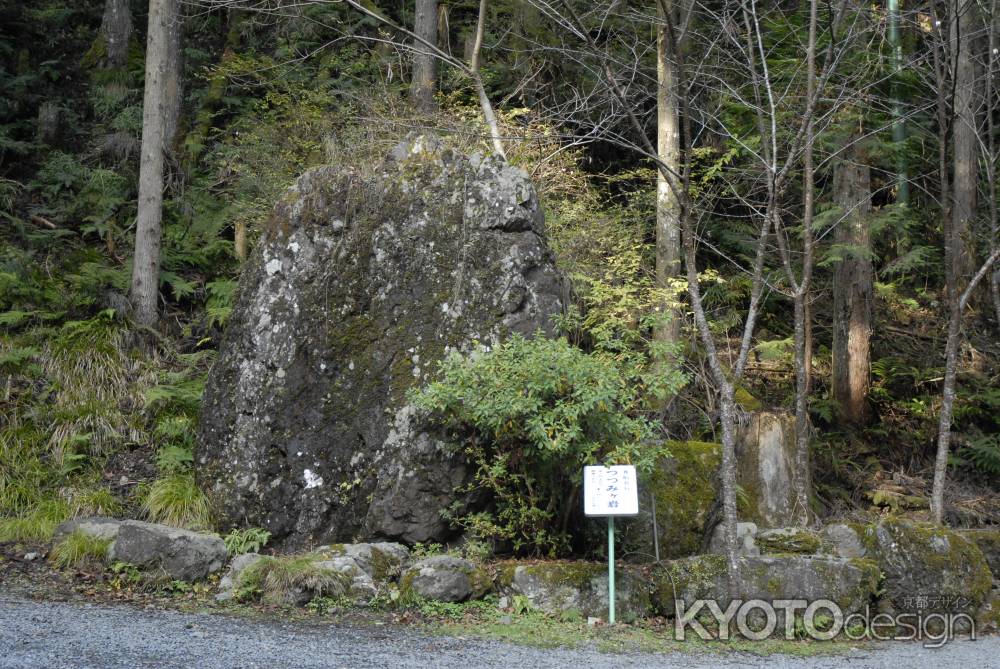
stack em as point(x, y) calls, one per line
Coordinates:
point(610, 491)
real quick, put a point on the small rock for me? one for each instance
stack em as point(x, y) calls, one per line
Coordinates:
point(380, 561)
point(362, 585)
point(446, 579)
point(227, 586)
point(184, 555)
point(844, 541)
point(592, 621)
point(503, 603)
point(506, 620)
point(31, 557)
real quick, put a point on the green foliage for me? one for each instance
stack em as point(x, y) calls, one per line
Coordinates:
point(219, 306)
point(983, 454)
point(177, 500)
point(80, 551)
point(247, 540)
point(531, 413)
point(125, 576)
point(36, 525)
point(521, 605)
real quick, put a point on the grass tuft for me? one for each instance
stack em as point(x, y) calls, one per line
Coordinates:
point(80, 551)
point(289, 580)
point(37, 525)
point(178, 501)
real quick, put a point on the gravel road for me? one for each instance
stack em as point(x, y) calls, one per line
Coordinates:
point(56, 635)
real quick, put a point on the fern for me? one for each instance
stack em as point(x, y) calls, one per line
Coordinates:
point(983, 454)
point(219, 306)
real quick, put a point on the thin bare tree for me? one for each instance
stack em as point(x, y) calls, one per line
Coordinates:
point(948, 391)
point(149, 223)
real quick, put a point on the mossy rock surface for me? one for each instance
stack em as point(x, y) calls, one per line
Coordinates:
point(682, 486)
point(444, 578)
point(928, 568)
point(561, 586)
point(788, 540)
point(360, 284)
point(382, 561)
point(988, 617)
point(850, 583)
point(988, 541)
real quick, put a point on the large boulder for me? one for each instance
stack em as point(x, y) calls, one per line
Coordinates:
point(444, 578)
point(765, 449)
point(928, 568)
point(561, 587)
point(182, 554)
point(360, 284)
point(851, 584)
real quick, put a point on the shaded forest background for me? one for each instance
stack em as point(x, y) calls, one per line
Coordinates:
point(887, 207)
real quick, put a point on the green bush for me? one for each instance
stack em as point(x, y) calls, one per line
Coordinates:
point(529, 415)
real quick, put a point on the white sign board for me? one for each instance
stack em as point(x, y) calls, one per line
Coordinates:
point(610, 491)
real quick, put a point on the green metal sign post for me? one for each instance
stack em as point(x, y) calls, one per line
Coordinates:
point(611, 570)
point(610, 492)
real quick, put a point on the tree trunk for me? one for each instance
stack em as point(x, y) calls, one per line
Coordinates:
point(852, 291)
point(173, 81)
point(149, 222)
point(965, 149)
point(939, 55)
point(800, 296)
point(898, 120)
point(668, 205)
point(993, 59)
point(948, 390)
point(116, 30)
point(424, 82)
point(484, 100)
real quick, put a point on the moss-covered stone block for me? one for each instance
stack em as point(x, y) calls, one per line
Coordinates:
point(682, 489)
point(988, 617)
point(559, 586)
point(850, 583)
point(928, 568)
point(788, 540)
